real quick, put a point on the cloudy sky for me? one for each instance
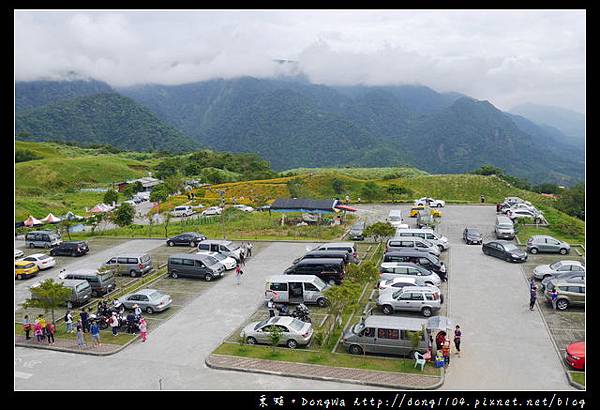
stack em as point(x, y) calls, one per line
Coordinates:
point(506, 57)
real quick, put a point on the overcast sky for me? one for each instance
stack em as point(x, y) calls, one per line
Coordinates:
point(506, 57)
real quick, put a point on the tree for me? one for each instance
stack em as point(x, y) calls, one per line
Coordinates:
point(49, 295)
point(342, 297)
point(488, 169)
point(295, 187)
point(416, 337)
point(363, 273)
point(123, 215)
point(63, 227)
point(370, 191)
point(572, 201)
point(275, 336)
point(111, 196)
point(547, 188)
point(167, 221)
point(380, 230)
point(338, 186)
point(159, 194)
point(173, 183)
point(395, 191)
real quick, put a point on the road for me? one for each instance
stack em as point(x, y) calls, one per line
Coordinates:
point(176, 351)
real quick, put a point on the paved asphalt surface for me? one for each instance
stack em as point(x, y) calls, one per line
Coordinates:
point(505, 346)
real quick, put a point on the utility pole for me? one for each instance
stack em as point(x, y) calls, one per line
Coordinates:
point(222, 195)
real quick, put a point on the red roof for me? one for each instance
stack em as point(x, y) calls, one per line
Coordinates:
point(346, 208)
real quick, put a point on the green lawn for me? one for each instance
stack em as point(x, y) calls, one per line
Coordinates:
point(578, 377)
point(562, 226)
point(105, 335)
point(325, 359)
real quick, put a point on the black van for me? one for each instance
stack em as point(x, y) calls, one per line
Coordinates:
point(327, 255)
point(330, 270)
point(194, 266)
point(425, 259)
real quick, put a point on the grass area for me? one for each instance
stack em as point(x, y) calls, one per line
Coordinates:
point(562, 226)
point(325, 359)
point(362, 173)
point(61, 333)
point(578, 377)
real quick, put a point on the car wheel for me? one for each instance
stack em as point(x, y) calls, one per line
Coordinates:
point(563, 251)
point(546, 276)
point(19, 277)
point(46, 245)
point(170, 243)
point(426, 311)
point(441, 248)
point(387, 309)
point(292, 344)
point(322, 302)
point(73, 254)
point(250, 340)
point(208, 277)
point(149, 310)
point(132, 273)
point(30, 245)
point(562, 304)
point(174, 275)
point(485, 251)
point(192, 244)
point(508, 259)
point(52, 253)
point(355, 349)
point(533, 251)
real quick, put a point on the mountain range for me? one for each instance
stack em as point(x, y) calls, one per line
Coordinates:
point(294, 123)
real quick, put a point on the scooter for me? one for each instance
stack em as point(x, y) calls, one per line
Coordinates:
point(301, 312)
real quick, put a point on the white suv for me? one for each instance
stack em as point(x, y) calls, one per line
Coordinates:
point(434, 203)
point(183, 210)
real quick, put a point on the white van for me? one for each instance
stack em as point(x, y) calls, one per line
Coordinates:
point(183, 210)
point(425, 233)
point(395, 219)
point(296, 289)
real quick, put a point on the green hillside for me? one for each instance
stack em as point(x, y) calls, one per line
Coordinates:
point(363, 173)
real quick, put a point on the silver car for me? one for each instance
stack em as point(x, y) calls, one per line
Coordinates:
point(149, 300)
point(543, 271)
point(294, 332)
point(424, 299)
point(569, 277)
point(412, 242)
point(391, 270)
point(545, 243)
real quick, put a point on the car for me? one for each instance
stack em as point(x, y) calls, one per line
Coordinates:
point(191, 239)
point(544, 271)
point(227, 261)
point(425, 221)
point(42, 260)
point(25, 269)
point(512, 200)
point(472, 236)
point(575, 355)
point(264, 208)
point(412, 242)
point(523, 213)
point(408, 270)
point(424, 299)
point(434, 203)
point(183, 210)
point(571, 277)
point(425, 233)
point(294, 331)
point(213, 210)
point(569, 294)
point(522, 205)
point(427, 261)
point(504, 250)
point(392, 285)
point(18, 253)
point(243, 208)
point(132, 264)
point(395, 219)
point(415, 210)
point(149, 300)
point(357, 231)
point(545, 243)
point(72, 248)
point(224, 247)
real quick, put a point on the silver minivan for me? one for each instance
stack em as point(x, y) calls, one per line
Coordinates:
point(504, 227)
point(386, 335)
point(130, 264)
point(101, 282)
point(424, 299)
point(296, 289)
point(194, 266)
point(411, 242)
point(226, 248)
point(427, 234)
point(42, 239)
point(423, 276)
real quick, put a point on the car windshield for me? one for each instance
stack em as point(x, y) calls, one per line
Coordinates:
point(395, 218)
point(260, 324)
point(474, 232)
point(509, 247)
point(389, 282)
point(297, 325)
point(319, 283)
point(357, 328)
point(155, 295)
point(556, 265)
point(219, 256)
point(505, 226)
point(234, 246)
point(210, 260)
point(105, 275)
point(396, 294)
point(43, 257)
point(82, 286)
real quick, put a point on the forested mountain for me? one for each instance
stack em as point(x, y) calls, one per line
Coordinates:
point(107, 118)
point(32, 94)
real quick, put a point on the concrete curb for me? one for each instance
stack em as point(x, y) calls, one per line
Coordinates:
point(573, 382)
point(65, 350)
point(324, 378)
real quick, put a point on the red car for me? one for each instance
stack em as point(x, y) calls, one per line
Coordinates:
point(575, 355)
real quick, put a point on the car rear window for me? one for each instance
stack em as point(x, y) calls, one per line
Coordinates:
point(82, 286)
point(155, 295)
point(44, 257)
point(104, 276)
point(297, 325)
point(146, 258)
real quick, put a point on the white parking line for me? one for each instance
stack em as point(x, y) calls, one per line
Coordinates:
point(22, 375)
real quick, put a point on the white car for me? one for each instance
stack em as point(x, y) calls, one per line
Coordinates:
point(395, 284)
point(18, 253)
point(227, 261)
point(244, 208)
point(213, 210)
point(42, 260)
point(522, 213)
point(434, 203)
point(183, 210)
point(523, 205)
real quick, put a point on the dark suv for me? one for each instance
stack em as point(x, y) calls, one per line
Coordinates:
point(186, 239)
point(72, 248)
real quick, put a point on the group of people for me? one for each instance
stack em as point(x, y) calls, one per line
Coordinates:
point(244, 254)
point(533, 295)
point(442, 342)
point(42, 330)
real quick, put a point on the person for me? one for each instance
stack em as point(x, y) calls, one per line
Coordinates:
point(532, 297)
point(532, 283)
point(457, 337)
point(242, 257)
point(249, 248)
point(27, 327)
point(143, 329)
point(271, 307)
point(38, 331)
point(238, 273)
point(69, 321)
point(137, 311)
point(50, 331)
point(347, 199)
point(84, 320)
point(114, 323)
point(446, 351)
point(358, 200)
point(439, 340)
point(554, 298)
point(482, 198)
point(131, 323)
point(80, 339)
point(95, 332)
point(41, 320)
point(497, 208)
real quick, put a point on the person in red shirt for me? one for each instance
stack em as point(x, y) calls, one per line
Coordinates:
point(446, 351)
point(50, 331)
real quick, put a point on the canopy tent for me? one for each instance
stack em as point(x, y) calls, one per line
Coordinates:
point(346, 208)
point(439, 323)
point(304, 205)
point(51, 219)
point(101, 208)
point(31, 221)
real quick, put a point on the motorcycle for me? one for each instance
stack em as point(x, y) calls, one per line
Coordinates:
point(301, 312)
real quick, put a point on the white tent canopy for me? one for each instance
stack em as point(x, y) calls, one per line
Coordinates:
point(31, 221)
point(51, 219)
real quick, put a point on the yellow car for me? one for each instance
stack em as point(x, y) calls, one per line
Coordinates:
point(435, 213)
point(25, 269)
point(414, 211)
